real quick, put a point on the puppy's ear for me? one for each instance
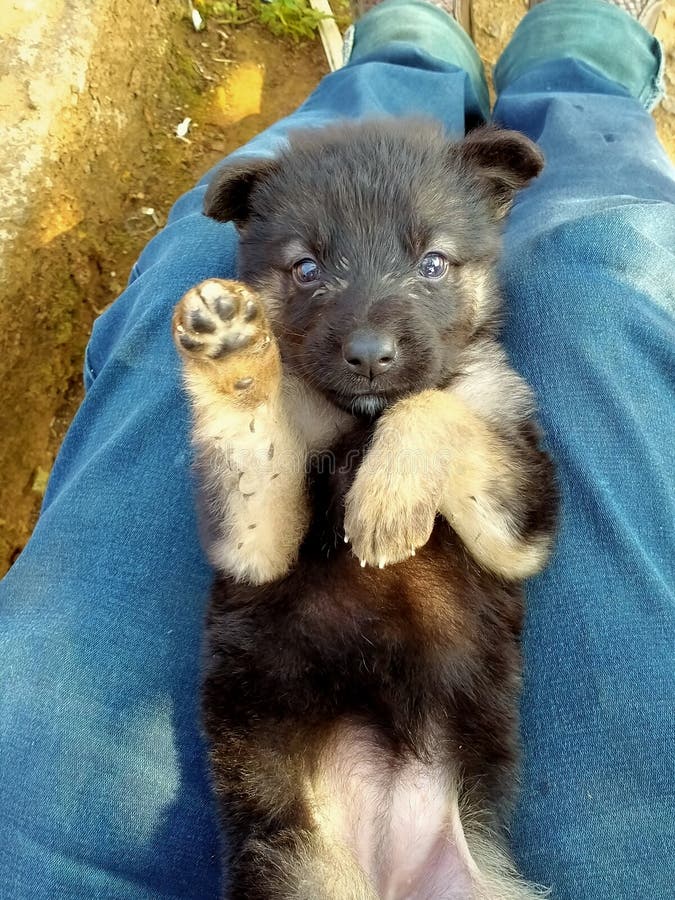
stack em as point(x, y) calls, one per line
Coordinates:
point(228, 196)
point(506, 160)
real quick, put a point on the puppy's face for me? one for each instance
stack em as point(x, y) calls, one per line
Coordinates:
point(374, 246)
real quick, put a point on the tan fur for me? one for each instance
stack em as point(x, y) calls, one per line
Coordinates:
point(489, 386)
point(476, 282)
point(497, 877)
point(320, 869)
point(431, 453)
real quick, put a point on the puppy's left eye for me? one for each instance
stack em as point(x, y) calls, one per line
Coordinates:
point(433, 265)
point(306, 271)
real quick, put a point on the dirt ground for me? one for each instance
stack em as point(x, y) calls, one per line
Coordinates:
point(231, 82)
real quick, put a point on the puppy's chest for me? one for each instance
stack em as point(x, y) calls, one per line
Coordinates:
point(357, 645)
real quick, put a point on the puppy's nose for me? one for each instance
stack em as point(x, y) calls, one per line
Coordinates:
point(368, 352)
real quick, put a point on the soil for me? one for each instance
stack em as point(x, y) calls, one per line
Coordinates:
point(231, 82)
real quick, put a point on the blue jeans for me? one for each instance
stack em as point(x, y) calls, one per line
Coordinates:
point(103, 784)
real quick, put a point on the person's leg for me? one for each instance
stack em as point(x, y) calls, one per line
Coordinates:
point(589, 273)
point(104, 792)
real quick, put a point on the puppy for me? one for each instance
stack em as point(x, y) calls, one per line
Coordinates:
point(374, 495)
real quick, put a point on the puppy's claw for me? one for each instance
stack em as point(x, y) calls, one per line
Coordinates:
point(381, 530)
point(346, 539)
point(363, 563)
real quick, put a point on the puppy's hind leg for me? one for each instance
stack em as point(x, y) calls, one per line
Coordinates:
point(276, 848)
point(250, 460)
point(298, 866)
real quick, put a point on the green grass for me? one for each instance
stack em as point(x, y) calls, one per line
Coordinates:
point(293, 19)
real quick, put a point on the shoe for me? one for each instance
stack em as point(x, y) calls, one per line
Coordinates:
point(460, 10)
point(647, 12)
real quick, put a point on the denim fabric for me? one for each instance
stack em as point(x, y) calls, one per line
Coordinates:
point(589, 273)
point(428, 28)
point(591, 31)
point(102, 768)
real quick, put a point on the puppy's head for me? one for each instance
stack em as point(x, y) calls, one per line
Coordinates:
point(374, 245)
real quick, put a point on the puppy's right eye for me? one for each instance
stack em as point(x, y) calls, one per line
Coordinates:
point(306, 271)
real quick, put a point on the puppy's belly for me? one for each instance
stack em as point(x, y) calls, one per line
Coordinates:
point(399, 819)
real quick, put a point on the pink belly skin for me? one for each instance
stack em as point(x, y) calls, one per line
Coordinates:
point(401, 822)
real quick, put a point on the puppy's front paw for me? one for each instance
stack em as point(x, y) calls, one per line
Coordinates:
point(388, 516)
point(217, 318)
point(221, 330)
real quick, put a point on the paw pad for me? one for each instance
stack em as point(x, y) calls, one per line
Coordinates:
point(217, 318)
